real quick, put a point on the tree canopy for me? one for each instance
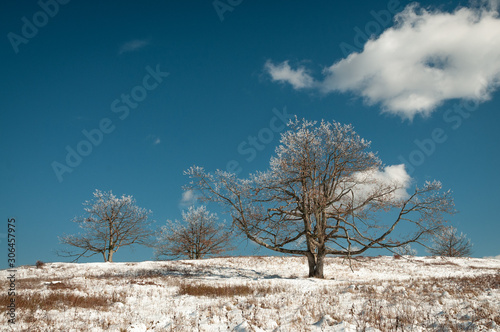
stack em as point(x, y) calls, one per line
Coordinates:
point(325, 193)
point(447, 242)
point(198, 235)
point(111, 223)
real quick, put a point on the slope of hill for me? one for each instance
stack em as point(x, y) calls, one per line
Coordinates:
point(258, 294)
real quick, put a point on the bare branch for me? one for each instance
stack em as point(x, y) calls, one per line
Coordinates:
point(324, 193)
point(198, 235)
point(447, 242)
point(111, 223)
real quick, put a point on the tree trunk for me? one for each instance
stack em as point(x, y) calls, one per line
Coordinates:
point(312, 264)
point(110, 256)
point(316, 263)
point(320, 260)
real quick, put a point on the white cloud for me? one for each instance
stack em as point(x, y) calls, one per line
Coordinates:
point(426, 58)
point(298, 78)
point(371, 180)
point(492, 257)
point(157, 141)
point(188, 198)
point(133, 45)
point(395, 174)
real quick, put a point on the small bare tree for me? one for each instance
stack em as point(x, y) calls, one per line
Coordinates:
point(406, 250)
point(447, 242)
point(324, 194)
point(198, 235)
point(111, 223)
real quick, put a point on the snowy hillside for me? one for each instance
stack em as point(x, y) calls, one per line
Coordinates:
point(259, 294)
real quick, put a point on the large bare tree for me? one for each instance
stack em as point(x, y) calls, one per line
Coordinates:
point(110, 223)
point(198, 235)
point(326, 193)
point(447, 242)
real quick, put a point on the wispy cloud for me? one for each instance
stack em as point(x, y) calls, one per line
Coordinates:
point(155, 140)
point(188, 198)
point(426, 58)
point(133, 45)
point(298, 78)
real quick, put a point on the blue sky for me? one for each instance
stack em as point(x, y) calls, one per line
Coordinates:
point(423, 90)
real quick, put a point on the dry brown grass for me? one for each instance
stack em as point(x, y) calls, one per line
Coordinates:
point(107, 276)
point(473, 285)
point(29, 283)
point(398, 305)
point(164, 272)
point(60, 285)
point(225, 290)
point(59, 300)
point(441, 263)
point(37, 283)
point(472, 267)
point(211, 291)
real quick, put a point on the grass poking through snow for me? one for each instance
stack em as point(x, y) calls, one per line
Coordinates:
point(252, 293)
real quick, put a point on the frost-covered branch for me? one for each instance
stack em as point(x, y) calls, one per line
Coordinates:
point(111, 223)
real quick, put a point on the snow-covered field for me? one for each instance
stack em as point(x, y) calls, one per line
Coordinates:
point(259, 294)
